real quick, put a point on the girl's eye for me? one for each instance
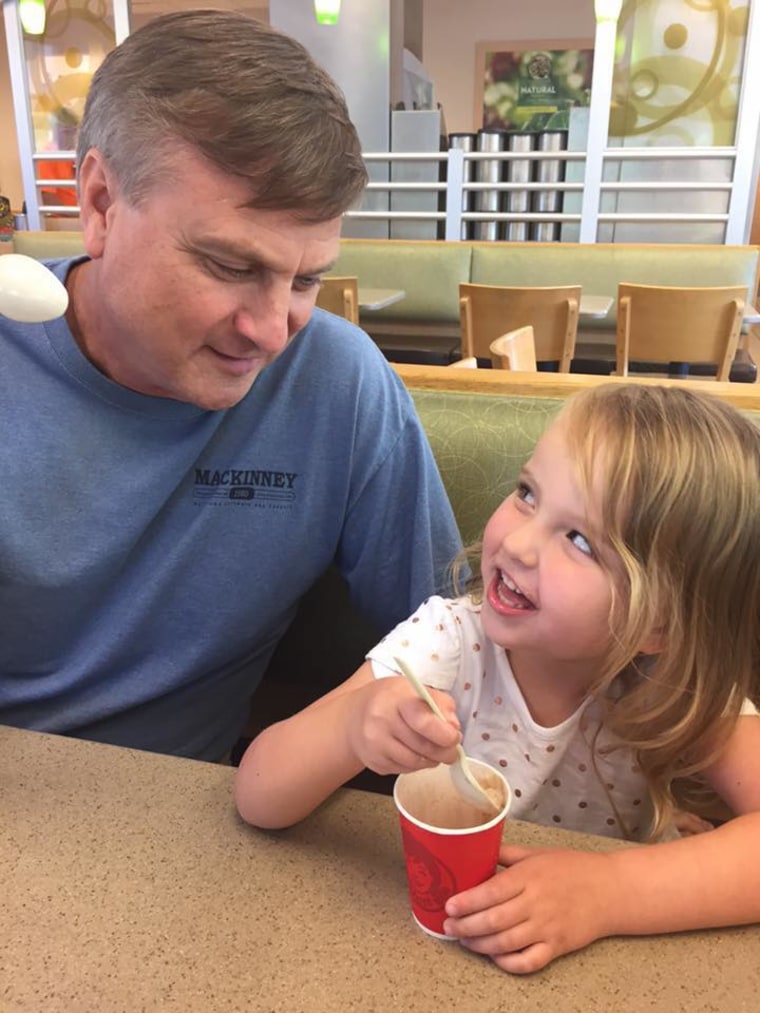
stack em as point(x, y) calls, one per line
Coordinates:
point(581, 543)
point(525, 493)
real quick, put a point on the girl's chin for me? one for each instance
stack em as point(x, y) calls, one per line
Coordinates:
point(495, 627)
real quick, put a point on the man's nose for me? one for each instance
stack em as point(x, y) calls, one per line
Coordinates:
point(270, 321)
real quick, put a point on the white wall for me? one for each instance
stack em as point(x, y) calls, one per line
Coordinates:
point(452, 29)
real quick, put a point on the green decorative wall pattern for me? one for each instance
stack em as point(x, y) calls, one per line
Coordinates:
point(677, 71)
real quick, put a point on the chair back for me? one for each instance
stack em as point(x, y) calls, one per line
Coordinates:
point(515, 350)
point(487, 311)
point(340, 295)
point(672, 324)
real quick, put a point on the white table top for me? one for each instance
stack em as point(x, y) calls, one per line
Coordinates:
point(595, 306)
point(599, 306)
point(379, 298)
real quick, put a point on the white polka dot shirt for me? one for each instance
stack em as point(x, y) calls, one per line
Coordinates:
point(550, 770)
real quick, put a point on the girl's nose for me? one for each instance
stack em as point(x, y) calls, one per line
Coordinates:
point(523, 542)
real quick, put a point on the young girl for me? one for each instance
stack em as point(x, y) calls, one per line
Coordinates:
point(607, 653)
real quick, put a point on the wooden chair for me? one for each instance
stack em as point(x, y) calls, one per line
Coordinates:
point(340, 295)
point(666, 324)
point(515, 350)
point(488, 311)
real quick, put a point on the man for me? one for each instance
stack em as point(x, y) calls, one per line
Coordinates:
point(195, 444)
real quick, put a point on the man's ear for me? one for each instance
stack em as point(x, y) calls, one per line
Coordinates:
point(97, 194)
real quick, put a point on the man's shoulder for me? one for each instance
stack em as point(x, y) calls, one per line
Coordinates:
point(332, 335)
point(334, 353)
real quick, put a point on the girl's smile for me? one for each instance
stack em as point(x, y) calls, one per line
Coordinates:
point(506, 597)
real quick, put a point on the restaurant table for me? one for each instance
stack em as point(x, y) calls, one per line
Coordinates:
point(128, 883)
point(594, 306)
point(597, 306)
point(379, 298)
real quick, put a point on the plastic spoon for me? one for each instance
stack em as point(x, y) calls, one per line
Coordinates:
point(464, 780)
point(29, 291)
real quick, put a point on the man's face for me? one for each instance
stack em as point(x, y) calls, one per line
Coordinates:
point(190, 294)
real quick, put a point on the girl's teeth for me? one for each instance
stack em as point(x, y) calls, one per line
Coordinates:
point(507, 585)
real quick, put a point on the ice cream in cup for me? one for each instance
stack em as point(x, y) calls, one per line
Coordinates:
point(449, 844)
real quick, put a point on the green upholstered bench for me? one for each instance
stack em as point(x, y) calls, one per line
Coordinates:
point(47, 245)
point(600, 267)
point(480, 442)
point(424, 326)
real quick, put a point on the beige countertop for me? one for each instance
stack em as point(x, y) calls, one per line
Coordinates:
point(128, 883)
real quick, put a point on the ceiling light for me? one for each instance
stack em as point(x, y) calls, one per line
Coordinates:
point(607, 10)
point(327, 11)
point(32, 16)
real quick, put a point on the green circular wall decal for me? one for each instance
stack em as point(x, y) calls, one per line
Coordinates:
point(644, 84)
point(673, 66)
point(675, 36)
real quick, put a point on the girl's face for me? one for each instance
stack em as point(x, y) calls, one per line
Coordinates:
point(546, 592)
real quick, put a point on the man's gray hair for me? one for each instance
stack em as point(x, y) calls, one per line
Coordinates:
point(245, 96)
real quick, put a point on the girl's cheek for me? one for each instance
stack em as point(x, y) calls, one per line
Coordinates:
point(496, 528)
point(490, 542)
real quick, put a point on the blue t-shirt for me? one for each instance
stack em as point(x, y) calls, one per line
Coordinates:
point(153, 553)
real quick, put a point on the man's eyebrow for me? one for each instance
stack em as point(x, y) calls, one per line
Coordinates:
point(223, 247)
point(321, 270)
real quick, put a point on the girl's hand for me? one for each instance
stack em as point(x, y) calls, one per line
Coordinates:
point(545, 903)
point(390, 730)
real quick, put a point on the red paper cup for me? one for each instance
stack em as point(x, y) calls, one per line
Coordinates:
point(449, 844)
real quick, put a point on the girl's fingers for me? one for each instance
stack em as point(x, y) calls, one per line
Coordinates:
point(475, 910)
point(525, 961)
point(510, 854)
point(418, 716)
point(510, 940)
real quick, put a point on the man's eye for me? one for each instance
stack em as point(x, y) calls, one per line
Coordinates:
point(581, 542)
point(305, 282)
point(225, 271)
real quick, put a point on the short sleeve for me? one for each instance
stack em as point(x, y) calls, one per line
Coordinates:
point(429, 642)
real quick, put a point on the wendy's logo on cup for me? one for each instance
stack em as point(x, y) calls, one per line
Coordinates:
point(431, 881)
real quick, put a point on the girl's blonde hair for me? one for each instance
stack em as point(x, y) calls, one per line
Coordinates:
point(678, 475)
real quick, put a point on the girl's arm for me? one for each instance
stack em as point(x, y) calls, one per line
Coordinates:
point(549, 902)
point(295, 764)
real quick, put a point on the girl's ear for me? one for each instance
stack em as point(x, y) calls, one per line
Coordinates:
point(654, 642)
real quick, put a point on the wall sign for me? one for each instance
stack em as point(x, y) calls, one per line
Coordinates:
point(531, 85)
